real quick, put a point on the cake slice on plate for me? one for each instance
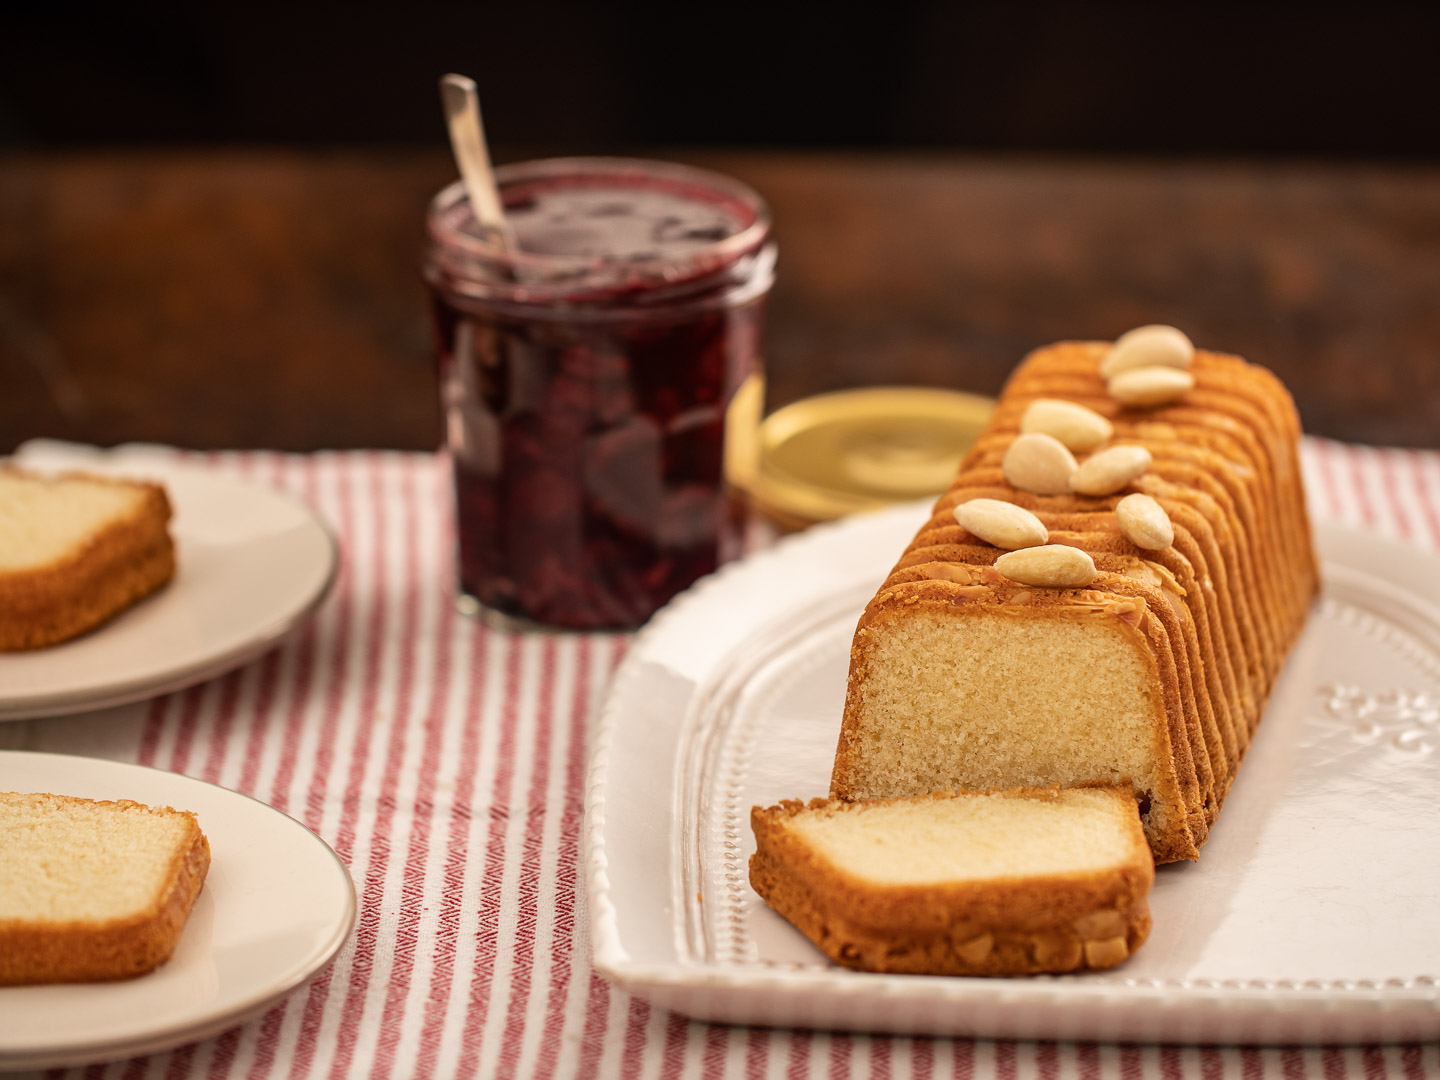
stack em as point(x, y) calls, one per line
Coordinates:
point(983, 883)
point(75, 550)
point(93, 891)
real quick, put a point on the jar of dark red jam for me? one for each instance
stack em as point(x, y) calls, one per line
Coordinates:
point(584, 379)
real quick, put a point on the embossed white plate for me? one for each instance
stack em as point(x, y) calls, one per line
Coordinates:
point(1313, 914)
point(252, 564)
point(276, 908)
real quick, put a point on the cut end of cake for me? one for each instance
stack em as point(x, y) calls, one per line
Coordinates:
point(978, 696)
point(93, 890)
point(983, 883)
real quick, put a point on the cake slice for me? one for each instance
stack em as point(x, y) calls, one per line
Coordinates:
point(984, 883)
point(75, 550)
point(92, 891)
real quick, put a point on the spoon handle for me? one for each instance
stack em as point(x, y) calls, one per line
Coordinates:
point(467, 139)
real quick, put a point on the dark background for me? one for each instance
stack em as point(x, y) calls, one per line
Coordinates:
point(211, 214)
point(1321, 80)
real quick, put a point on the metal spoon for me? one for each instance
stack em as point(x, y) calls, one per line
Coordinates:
point(467, 139)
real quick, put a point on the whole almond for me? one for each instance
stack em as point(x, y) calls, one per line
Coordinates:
point(1039, 464)
point(1110, 470)
point(1052, 566)
point(1144, 522)
point(1001, 523)
point(1146, 386)
point(1079, 428)
point(1148, 346)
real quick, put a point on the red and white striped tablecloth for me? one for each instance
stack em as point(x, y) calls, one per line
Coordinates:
point(443, 761)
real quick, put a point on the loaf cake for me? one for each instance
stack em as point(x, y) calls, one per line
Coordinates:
point(1151, 668)
point(75, 550)
point(994, 883)
point(93, 891)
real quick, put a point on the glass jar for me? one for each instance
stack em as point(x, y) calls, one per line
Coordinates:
point(584, 379)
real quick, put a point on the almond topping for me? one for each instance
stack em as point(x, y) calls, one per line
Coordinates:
point(1039, 464)
point(1147, 386)
point(1052, 566)
point(976, 949)
point(1107, 952)
point(1079, 428)
point(962, 575)
point(1144, 522)
point(1148, 346)
point(1105, 923)
point(1056, 951)
point(1000, 523)
point(1110, 470)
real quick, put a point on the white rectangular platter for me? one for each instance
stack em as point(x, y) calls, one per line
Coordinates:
point(1313, 914)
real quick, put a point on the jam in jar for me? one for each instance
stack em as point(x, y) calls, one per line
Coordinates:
point(584, 379)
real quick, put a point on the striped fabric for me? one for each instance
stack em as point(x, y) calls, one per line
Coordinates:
point(443, 761)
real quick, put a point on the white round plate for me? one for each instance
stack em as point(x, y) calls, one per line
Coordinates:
point(277, 906)
point(251, 564)
point(1310, 916)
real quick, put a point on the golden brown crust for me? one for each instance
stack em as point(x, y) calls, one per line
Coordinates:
point(1013, 926)
point(120, 565)
point(1244, 414)
point(34, 951)
point(1244, 401)
point(1198, 488)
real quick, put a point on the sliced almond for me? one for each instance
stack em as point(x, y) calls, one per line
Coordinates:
point(1148, 346)
point(1000, 523)
point(1056, 951)
point(1079, 428)
point(1144, 522)
point(961, 575)
point(1110, 470)
point(1106, 952)
point(1052, 566)
point(1146, 386)
point(977, 948)
point(1039, 464)
point(1105, 923)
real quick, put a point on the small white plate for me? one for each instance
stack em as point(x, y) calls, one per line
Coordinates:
point(251, 564)
point(277, 906)
point(1310, 917)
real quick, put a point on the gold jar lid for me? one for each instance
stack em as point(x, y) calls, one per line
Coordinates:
point(853, 450)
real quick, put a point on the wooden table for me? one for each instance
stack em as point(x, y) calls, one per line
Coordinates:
point(266, 299)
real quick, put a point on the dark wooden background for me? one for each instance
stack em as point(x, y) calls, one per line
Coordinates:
point(237, 298)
